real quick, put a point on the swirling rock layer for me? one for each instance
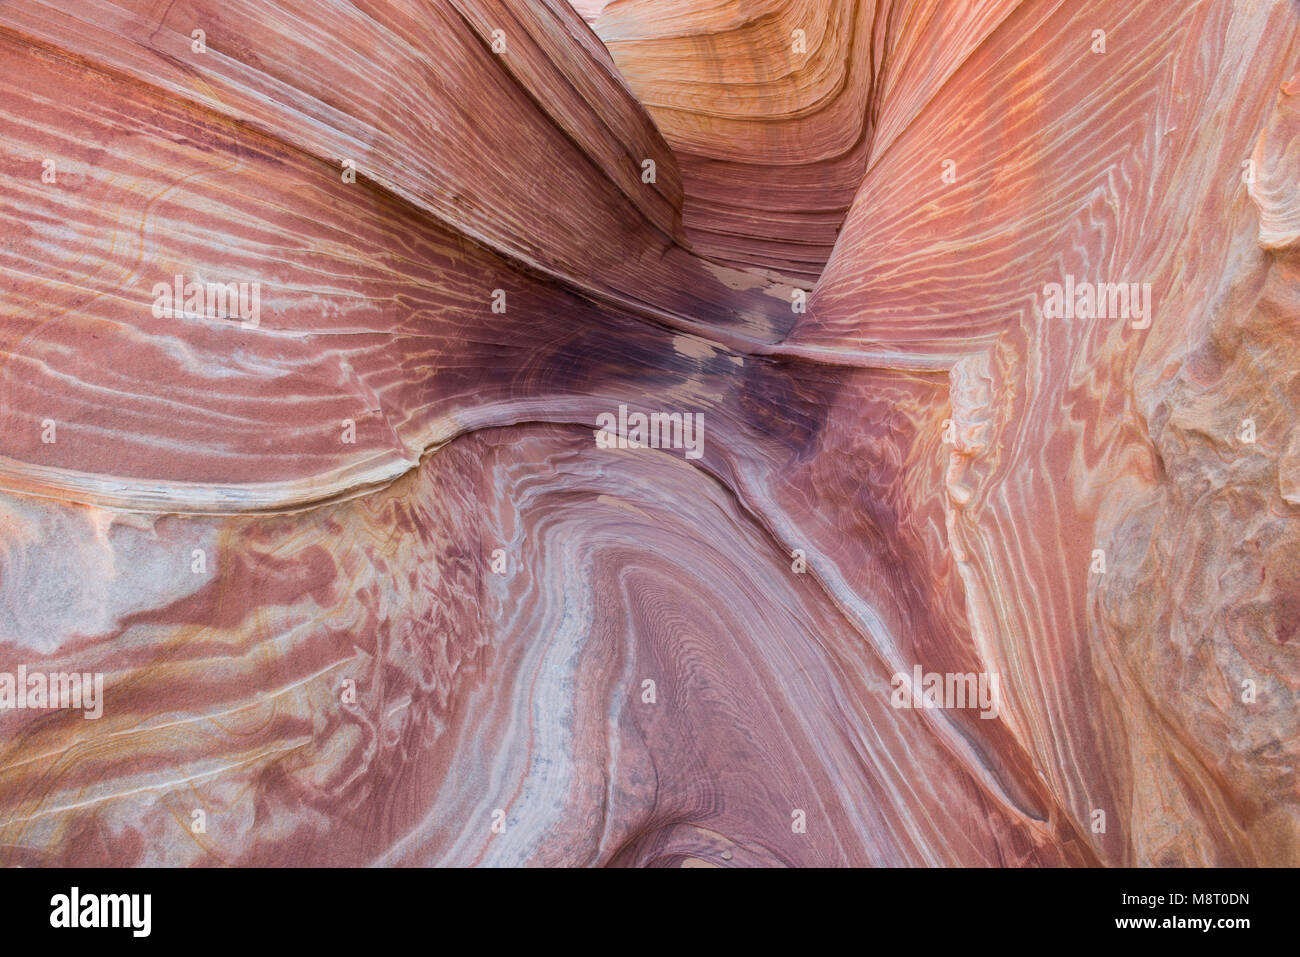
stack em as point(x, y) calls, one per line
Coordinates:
point(367, 583)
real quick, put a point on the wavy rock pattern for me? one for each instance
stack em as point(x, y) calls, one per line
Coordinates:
point(775, 109)
point(364, 583)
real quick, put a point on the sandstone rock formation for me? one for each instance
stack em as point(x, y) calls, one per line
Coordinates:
point(368, 584)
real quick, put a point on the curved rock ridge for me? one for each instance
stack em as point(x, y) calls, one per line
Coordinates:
point(774, 110)
point(228, 175)
point(501, 432)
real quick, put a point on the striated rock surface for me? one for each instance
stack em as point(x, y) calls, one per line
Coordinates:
point(775, 109)
point(366, 573)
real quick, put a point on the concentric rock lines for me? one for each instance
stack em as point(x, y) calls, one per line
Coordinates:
point(365, 587)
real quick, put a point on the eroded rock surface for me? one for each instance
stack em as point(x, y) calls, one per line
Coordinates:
point(365, 581)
